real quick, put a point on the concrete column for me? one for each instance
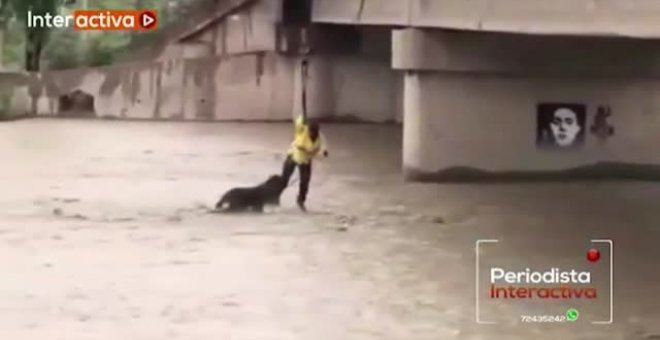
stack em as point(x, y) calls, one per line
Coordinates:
point(413, 125)
point(472, 106)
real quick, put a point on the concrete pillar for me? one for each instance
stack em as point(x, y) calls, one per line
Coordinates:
point(480, 106)
point(413, 125)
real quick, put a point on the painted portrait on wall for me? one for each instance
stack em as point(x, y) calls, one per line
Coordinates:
point(560, 126)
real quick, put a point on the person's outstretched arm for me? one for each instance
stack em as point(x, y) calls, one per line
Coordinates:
point(299, 124)
point(304, 74)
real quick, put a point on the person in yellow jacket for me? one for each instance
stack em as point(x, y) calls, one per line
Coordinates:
point(308, 143)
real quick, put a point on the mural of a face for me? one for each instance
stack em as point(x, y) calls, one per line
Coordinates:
point(565, 127)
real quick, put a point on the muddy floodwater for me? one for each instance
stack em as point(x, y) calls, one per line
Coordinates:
point(105, 234)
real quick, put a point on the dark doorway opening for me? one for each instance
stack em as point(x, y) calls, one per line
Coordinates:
point(296, 12)
point(76, 104)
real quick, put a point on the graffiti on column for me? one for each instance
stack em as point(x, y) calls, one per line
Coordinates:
point(601, 127)
point(560, 125)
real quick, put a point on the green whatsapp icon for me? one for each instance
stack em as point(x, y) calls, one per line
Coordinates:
point(572, 314)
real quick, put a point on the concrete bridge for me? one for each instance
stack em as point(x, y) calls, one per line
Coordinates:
point(501, 89)
point(484, 78)
point(636, 18)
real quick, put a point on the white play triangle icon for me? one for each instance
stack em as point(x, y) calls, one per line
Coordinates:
point(148, 20)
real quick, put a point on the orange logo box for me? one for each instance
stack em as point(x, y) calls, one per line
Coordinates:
point(115, 20)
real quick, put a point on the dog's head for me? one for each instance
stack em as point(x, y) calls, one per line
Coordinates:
point(276, 182)
point(274, 186)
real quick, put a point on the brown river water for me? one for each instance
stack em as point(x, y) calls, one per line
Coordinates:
point(105, 234)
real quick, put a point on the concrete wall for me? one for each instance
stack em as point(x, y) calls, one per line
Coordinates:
point(198, 48)
point(636, 18)
point(470, 114)
point(349, 87)
point(251, 82)
point(349, 66)
point(255, 86)
point(247, 87)
point(250, 30)
point(14, 94)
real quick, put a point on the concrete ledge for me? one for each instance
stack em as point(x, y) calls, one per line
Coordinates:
point(523, 54)
point(595, 172)
point(109, 118)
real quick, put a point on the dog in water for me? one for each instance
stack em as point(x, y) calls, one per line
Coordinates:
point(254, 198)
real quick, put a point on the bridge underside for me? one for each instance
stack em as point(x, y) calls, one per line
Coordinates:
point(630, 18)
point(511, 90)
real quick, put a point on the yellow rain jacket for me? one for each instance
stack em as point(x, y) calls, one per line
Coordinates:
point(303, 149)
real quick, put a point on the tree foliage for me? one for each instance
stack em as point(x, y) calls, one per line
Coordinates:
point(32, 48)
point(35, 37)
point(63, 50)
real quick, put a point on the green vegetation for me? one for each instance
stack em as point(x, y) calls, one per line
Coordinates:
point(5, 106)
point(36, 38)
point(31, 49)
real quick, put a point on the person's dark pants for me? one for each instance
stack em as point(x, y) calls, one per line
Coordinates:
point(305, 171)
